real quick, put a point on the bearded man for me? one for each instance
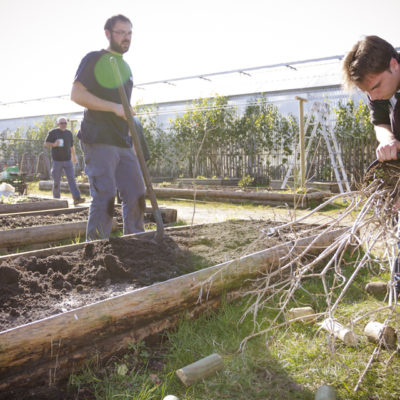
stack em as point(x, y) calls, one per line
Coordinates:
point(110, 160)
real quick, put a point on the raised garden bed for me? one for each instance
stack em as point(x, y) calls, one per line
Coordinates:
point(41, 228)
point(141, 288)
point(32, 204)
point(67, 215)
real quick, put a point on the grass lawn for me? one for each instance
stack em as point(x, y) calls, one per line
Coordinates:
point(291, 362)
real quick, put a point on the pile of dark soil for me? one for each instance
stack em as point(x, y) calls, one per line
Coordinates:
point(33, 287)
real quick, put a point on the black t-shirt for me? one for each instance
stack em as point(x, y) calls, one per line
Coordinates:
point(62, 153)
point(383, 113)
point(96, 74)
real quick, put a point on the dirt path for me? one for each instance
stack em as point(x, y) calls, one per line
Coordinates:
point(218, 212)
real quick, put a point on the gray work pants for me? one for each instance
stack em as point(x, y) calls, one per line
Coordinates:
point(56, 172)
point(110, 168)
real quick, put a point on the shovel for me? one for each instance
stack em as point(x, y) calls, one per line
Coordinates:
point(139, 152)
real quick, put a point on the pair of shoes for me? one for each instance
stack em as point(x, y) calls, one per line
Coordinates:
point(79, 201)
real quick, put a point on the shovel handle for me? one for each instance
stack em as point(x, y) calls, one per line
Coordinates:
point(139, 152)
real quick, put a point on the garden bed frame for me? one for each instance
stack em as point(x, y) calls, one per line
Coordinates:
point(37, 204)
point(45, 352)
point(41, 236)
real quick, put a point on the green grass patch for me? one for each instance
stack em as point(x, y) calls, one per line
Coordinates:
point(290, 363)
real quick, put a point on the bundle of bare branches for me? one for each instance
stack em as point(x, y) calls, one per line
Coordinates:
point(372, 240)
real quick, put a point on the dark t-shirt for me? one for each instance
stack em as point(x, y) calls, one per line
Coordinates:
point(62, 153)
point(96, 74)
point(382, 113)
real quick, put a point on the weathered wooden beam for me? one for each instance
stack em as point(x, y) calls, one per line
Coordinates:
point(43, 204)
point(14, 238)
point(169, 215)
point(300, 200)
point(50, 349)
point(274, 198)
point(47, 185)
point(56, 211)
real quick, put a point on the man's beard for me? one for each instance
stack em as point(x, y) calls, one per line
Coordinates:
point(117, 48)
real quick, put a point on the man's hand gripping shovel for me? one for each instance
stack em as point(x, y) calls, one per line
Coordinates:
point(139, 152)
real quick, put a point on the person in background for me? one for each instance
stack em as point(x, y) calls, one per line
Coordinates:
point(60, 141)
point(110, 160)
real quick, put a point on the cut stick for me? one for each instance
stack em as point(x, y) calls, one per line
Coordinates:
point(302, 314)
point(347, 336)
point(200, 369)
point(376, 288)
point(375, 331)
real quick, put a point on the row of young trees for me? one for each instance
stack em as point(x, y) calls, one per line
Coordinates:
point(212, 137)
point(212, 133)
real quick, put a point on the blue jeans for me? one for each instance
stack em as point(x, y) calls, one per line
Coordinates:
point(110, 168)
point(56, 173)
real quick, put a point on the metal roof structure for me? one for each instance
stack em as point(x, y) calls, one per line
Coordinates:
point(277, 81)
point(322, 72)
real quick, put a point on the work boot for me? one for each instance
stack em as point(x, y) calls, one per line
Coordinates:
point(79, 201)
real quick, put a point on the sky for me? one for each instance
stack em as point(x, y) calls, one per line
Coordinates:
point(43, 41)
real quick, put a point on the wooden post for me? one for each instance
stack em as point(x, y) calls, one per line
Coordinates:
point(200, 369)
point(302, 142)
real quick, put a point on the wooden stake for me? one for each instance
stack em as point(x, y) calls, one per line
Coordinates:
point(200, 369)
point(302, 142)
